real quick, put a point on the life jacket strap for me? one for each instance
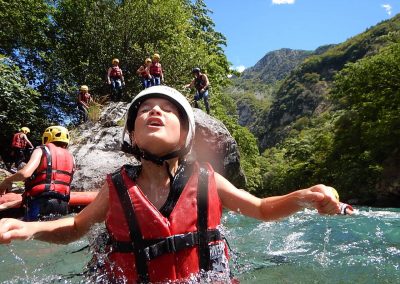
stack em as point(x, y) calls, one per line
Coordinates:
point(134, 230)
point(51, 195)
point(58, 172)
point(49, 184)
point(170, 244)
point(202, 219)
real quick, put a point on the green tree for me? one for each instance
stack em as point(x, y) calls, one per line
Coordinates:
point(19, 103)
point(368, 130)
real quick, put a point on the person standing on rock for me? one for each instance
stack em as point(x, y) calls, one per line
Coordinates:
point(18, 146)
point(164, 215)
point(47, 176)
point(144, 73)
point(201, 84)
point(115, 78)
point(84, 100)
point(156, 71)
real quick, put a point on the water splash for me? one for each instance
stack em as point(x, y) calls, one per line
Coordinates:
point(324, 257)
point(305, 248)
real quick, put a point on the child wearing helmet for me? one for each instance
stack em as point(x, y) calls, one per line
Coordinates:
point(163, 216)
point(144, 73)
point(156, 71)
point(201, 84)
point(18, 145)
point(47, 175)
point(115, 78)
point(84, 100)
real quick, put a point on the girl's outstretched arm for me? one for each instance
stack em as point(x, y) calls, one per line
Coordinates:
point(276, 207)
point(61, 231)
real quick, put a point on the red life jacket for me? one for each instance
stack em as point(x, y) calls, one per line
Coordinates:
point(144, 73)
point(147, 247)
point(116, 72)
point(200, 83)
point(54, 174)
point(84, 97)
point(18, 141)
point(155, 69)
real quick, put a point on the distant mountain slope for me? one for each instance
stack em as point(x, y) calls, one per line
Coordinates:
point(276, 65)
point(254, 90)
point(304, 91)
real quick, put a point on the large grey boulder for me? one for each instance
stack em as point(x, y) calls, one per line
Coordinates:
point(214, 144)
point(96, 148)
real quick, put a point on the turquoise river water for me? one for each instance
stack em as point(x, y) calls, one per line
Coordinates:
point(305, 248)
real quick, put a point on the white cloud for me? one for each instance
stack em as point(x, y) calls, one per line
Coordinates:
point(279, 2)
point(388, 8)
point(240, 68)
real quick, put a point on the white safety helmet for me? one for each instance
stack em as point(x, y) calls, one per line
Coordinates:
point(174, 97)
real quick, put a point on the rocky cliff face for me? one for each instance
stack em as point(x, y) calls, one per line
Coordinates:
point(96, 148)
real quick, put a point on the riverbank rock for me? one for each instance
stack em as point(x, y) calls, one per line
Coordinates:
point(96, 148)
point(388, 190)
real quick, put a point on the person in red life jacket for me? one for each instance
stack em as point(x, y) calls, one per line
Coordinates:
point(47, 176)
point(201, 84)
point(18, 145)
point(156, 71)
point(115, 78)
point(84, 100)
point(144, 73)
point(163, 216)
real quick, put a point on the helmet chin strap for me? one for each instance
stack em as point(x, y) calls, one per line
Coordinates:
point(163, 160)
point(160, 160)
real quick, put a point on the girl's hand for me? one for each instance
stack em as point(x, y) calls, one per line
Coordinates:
point(320, 197)
point(12, 229)
point(5, 186)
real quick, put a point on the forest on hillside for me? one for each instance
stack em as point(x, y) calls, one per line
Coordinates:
point(333, 119)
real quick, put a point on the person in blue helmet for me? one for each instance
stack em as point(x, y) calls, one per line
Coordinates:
point(201, 84)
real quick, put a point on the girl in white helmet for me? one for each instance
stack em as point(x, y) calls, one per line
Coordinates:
point(163, 216)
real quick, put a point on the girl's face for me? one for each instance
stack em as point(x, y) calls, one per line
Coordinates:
point(158, 128)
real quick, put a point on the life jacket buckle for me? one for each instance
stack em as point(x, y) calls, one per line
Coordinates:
point(170, 243)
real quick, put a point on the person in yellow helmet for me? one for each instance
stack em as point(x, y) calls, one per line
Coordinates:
point(156, 70)
point(47, 175)
point(84, 100)
point(144, 73)
point(19, 144)
point(115, 78)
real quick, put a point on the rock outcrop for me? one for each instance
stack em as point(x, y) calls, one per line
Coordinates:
point(96, 148)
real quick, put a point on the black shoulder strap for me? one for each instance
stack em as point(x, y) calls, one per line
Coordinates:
point(202, 219)
point(49, 170)
point(134, 230)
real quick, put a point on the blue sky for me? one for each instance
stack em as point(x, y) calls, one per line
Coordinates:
point(256, 27)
